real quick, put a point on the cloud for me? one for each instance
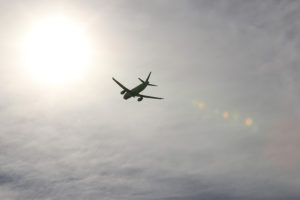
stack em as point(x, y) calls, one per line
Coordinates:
point(83, 141)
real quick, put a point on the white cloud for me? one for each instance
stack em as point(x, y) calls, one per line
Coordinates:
point(85, 142)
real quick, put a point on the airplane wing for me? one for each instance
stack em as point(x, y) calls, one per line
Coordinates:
point(122, 86)
point(150, 97)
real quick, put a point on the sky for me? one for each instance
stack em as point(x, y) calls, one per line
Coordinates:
point(228, 127)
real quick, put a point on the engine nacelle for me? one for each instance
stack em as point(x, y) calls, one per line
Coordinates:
point(140, 98)
point(122, 92)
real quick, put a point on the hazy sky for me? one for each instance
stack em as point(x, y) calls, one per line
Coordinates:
point(217, 63)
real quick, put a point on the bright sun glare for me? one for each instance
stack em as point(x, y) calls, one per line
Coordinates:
point(55, 51)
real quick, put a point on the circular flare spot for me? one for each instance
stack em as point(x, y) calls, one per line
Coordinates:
point(248, 121)
point(201, 105)
point(225, 115)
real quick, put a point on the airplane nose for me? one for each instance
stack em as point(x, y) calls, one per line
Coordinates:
point(126, 96)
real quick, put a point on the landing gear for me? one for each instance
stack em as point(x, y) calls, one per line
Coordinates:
point(140, 98)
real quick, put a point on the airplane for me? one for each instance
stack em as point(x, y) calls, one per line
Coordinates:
point(135, 92)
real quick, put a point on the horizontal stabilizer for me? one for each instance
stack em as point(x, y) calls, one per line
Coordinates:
point(141, 80)
point(152, 84)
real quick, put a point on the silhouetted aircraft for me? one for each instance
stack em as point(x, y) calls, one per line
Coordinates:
point(135, 92)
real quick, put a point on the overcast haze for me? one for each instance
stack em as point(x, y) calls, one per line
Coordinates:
point(218, 63)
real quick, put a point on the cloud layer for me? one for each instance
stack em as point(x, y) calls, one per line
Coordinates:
point(82, 141)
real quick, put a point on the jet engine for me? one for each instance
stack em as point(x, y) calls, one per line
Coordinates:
point(140, 98)
point(123, 91)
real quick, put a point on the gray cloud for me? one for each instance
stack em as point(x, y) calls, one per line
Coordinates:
point(82, 141)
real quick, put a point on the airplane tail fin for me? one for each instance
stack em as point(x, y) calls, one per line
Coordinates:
point(147, 80)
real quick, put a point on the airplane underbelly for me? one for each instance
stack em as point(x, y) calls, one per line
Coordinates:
point(137, 90)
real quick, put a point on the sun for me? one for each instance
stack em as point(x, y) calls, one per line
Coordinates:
point(55, 50)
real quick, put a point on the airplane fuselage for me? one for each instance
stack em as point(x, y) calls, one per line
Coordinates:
point(135, 91)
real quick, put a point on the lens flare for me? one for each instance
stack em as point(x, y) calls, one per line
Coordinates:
point(225, 115)
point(230, 116)
point(248, 121)
point(201, 105)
